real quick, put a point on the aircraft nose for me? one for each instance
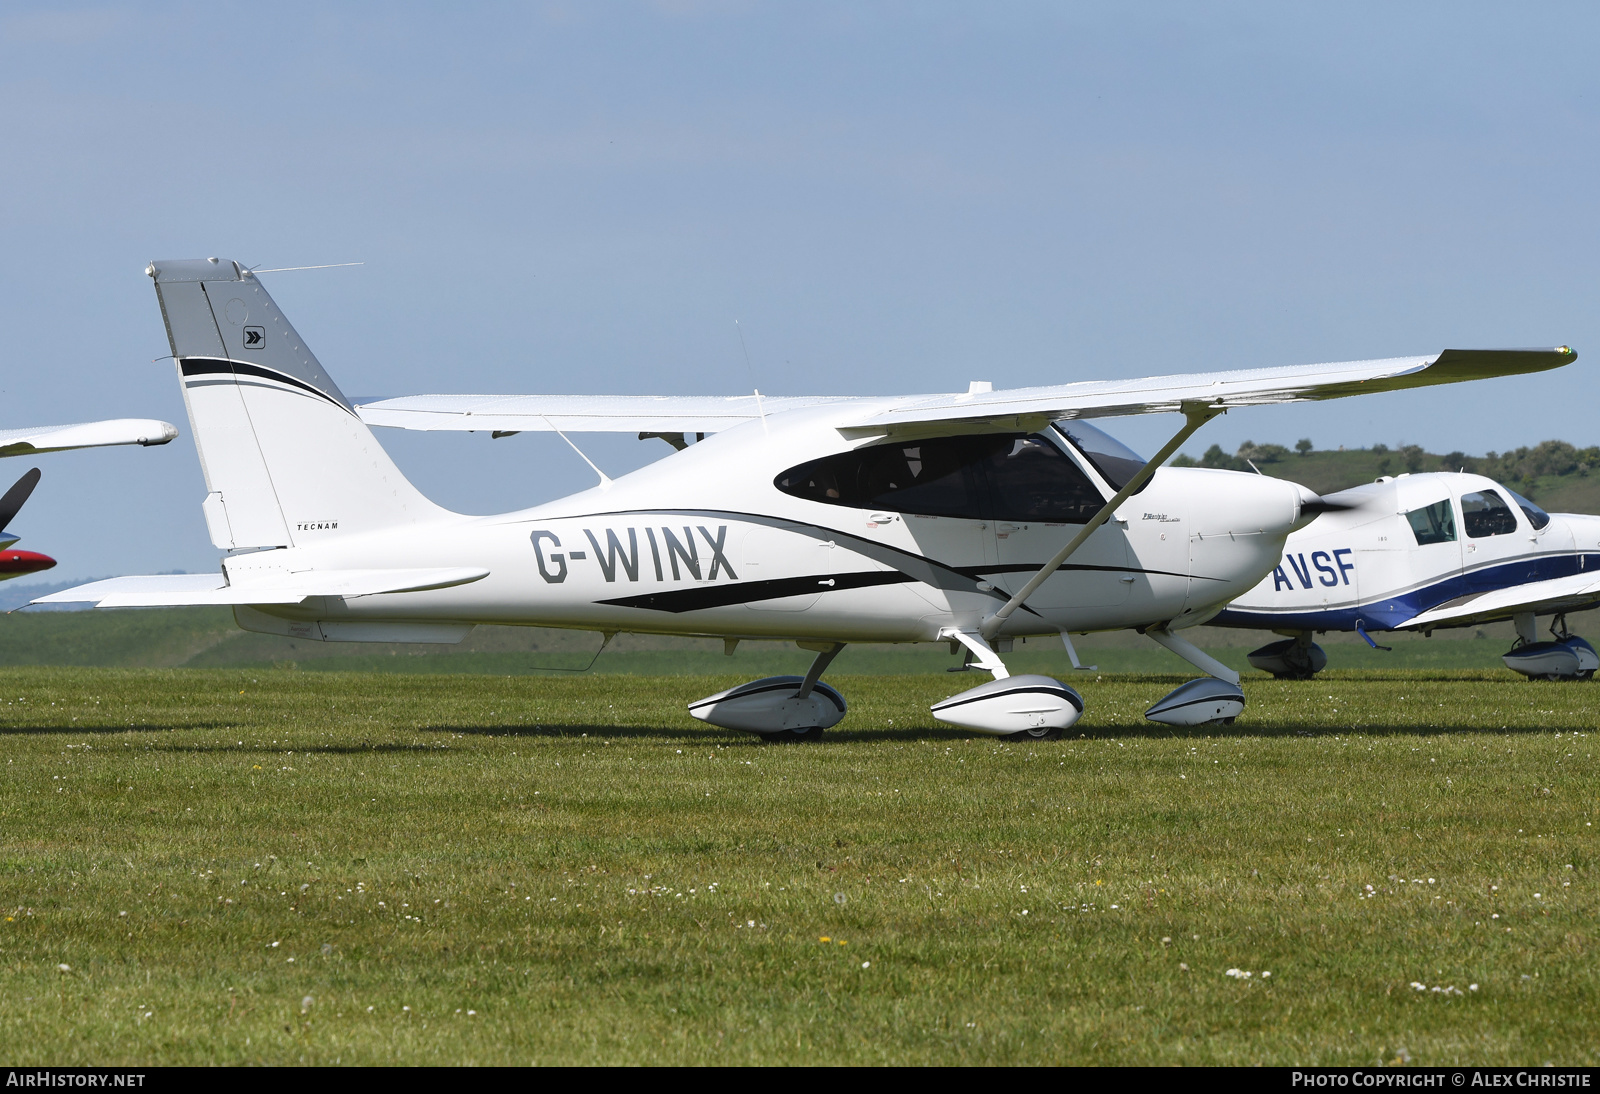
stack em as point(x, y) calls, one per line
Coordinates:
point(1251, 505)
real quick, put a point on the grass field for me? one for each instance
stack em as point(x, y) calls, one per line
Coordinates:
point(208, 638)
point(246, 866)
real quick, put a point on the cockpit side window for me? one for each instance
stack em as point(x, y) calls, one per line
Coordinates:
point(1536, 516)
point(1434, 524)
point(1032, 479)
point(1485, 513)
point(992, 476)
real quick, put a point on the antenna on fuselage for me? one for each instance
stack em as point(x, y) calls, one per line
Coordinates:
point(751, 369)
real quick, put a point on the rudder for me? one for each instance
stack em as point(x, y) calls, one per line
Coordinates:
point(287, 462)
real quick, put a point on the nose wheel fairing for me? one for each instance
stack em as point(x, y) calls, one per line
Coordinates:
point(772, 706)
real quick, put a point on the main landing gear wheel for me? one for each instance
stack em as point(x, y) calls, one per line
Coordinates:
point(1027, 736)
point(1567, 658)
point(1296, 658)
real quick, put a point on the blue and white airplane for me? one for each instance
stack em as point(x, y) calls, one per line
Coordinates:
point(1425, 551)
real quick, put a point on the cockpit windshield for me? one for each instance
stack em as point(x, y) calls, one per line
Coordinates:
point(1536, 516)
point(1116, 462)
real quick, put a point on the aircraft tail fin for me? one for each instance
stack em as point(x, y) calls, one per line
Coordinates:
point(287, 462)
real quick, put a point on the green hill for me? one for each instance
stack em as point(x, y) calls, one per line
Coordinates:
point(1560, 477)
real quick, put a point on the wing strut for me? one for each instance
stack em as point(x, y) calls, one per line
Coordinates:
point(1195, 415)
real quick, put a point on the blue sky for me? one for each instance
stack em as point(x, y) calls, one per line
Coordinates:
point(888, 198)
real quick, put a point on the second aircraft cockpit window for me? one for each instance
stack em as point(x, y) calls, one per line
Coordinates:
point(1485, 513)
point(991, 476)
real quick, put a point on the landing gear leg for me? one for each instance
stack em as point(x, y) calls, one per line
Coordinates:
point(819, 665)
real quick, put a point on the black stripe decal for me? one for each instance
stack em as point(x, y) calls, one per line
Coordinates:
point(212, 366)
point(916, 567)
point(1034, 567)
point(1038, 689)
point(678, 601)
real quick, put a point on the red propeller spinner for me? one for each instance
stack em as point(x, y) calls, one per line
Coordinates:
point(17, 563)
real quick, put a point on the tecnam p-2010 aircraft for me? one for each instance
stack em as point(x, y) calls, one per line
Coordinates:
point(968, 518)
point(1425, 551)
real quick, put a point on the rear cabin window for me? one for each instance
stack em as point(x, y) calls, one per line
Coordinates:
point(986, 477)
point(1485, 513)
point(1434, 524)
point(1536, 516)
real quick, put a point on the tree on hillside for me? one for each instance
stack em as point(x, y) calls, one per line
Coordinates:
point(1216, 457)
point(1261, 453)
point(1303, 446)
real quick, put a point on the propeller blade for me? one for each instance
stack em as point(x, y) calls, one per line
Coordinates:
point(1323, 505)
point(17, 496)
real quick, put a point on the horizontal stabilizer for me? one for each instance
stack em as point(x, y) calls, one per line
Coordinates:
point(179, 590)
point(1576, 592)
point(57, 438)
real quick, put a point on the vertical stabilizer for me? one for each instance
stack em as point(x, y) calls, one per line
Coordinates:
point(287, 462)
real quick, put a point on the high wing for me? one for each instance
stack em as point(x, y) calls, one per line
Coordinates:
point(997, 410)
point(580, 413)
point(280, 588)
point(58, 438)
point(1577, 592)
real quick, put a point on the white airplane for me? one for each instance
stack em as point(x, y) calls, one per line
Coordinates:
point(823, 520)
point(1421, 552)
point(34, 440)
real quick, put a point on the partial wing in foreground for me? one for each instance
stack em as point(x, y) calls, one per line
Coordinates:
point(57, 438)
point(1576, 593)
point(177, 590)
point(1025, 408)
